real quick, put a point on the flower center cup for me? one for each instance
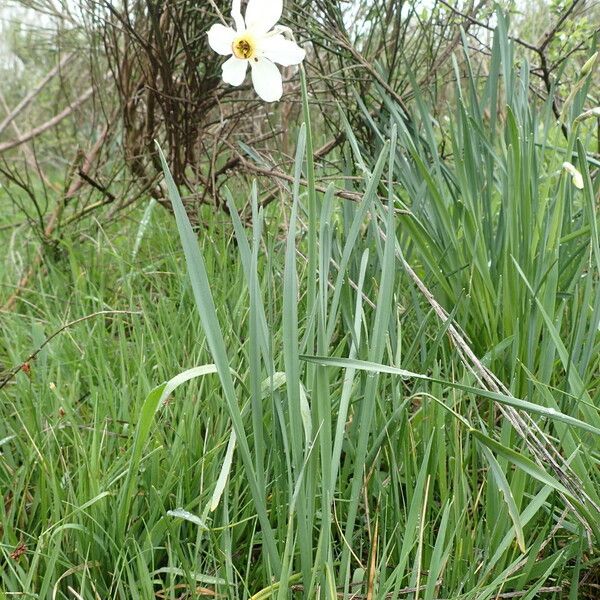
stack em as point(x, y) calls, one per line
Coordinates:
point(244, 47)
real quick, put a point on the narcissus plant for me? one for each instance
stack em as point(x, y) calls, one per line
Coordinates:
point(259, 41)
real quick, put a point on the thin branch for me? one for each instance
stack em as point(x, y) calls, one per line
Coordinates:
point(13, 372)
point(479, 23)
point(54, 219)
point(51, 123)
point(95, 184)
point(549, 35)
point(346, 195)
point(34, 92)
point(29, 154)
point(527, 428)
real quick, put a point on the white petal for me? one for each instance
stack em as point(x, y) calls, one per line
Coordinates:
point(221, 38)
point(267, 80)
point(234, 71)
point(236, 13)
point(262, 15)
point(576, 176)
point(281, 51)
point(578, 180)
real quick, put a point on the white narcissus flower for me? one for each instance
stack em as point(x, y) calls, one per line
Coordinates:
point(257, 40)
point(575, 175)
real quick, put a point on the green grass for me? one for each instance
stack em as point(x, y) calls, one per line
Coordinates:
point(339, 435)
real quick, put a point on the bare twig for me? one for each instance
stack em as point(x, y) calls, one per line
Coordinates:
point(95, 184)
point(544, 70)
point(525, 426)
point(20, 367)
point(34, 92)
point(61, 116)
point(30, 157)
point(549, 35)
point(56, 215)
point(478, 23)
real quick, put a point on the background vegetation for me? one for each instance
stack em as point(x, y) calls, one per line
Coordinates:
point(376, 304)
